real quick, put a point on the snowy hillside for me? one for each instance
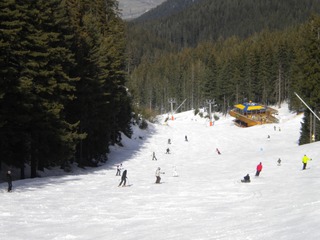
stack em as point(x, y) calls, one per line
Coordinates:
point(206, 201)
point(135, 8)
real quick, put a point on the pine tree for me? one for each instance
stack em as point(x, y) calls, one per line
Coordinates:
point(307, 75)
point(36, 127)
point(102, 103)
point(12, 116)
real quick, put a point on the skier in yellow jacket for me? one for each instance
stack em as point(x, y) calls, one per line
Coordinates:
point(305, 160)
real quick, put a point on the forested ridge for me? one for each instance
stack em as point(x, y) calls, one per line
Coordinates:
point(62, 90)
point(228, 51)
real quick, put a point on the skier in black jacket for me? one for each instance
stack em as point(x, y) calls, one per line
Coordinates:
point(246, 178)
point(123, 178)
point(9, 179)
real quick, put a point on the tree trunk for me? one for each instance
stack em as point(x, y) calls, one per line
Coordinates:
point(33, 162)
point(22, 173)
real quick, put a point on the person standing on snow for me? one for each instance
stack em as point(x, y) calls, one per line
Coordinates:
point(154, 156)
point(186, 138)
point(123, 179)
point(259, 168)
point(279, 162)
point(158, 172)
point(305, 160)
point(217, 150)
point(119, 168)
point(9, 180)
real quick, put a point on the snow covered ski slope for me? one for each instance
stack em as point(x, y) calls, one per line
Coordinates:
point(206, 201)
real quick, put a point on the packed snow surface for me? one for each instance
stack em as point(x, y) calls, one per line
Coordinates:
point(206, 201)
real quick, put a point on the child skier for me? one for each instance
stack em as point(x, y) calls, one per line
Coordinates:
point(175, 173)
point(119, 168)
point(168, 151)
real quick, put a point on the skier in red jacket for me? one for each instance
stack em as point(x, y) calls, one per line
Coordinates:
point(259, 168)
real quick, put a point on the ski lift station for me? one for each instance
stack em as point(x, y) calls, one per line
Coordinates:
point(250, 114)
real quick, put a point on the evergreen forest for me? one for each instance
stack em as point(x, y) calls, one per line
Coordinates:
point(227, 51)
point(62, 89)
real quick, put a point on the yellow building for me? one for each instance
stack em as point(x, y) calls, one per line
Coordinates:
point(250, 114)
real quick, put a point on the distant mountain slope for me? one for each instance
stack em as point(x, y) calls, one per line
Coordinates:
point(166, 9)
point(186, 22)
point(227, 48)
point(134, 8)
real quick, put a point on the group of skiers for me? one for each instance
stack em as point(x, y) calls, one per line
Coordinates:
point(305, 160)
point(123, 179)
point(158, 170)
point(275, 128)
point(247, 177)
point(158, 173)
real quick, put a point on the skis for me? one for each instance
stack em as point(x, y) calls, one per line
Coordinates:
point(129, 185)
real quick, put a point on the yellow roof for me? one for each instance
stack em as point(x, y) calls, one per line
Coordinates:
point(240, 106)
point(255, 108)
point(249, 107)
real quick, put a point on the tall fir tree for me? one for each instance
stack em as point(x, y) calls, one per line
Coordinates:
point(36, 128)
point(307, 75)
point(102, 103)
point(12, 116)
